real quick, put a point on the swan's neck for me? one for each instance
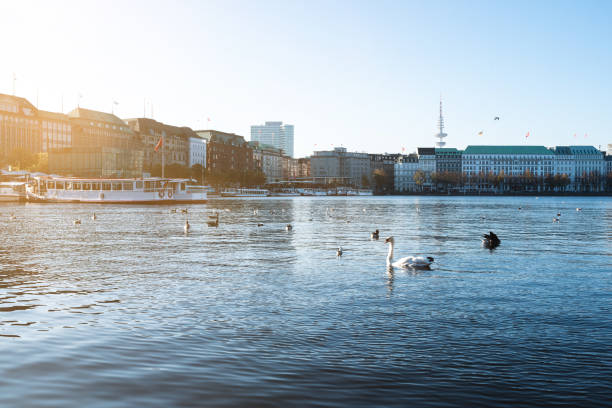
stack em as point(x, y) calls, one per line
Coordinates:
point(390, 255)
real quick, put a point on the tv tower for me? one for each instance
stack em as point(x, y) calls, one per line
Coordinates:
point(441, 135)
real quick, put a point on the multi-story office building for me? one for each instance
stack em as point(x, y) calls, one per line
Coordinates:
point(100, 129)
point(448, 160)
point(19, 126)
point(340, 166)
point(269, 160)
point(226, 152)
point(102, 146)
point(509, 160)
point(404, 171)
point(197, 151)
point(584, 165)
point(56, 130)
point(175, 146)
point(383, 164)
point(299, 168)
point(274, 134)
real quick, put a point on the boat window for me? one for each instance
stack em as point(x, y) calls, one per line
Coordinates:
point(77, 186)
point(139, 185)
point(128, 186)
point(182, 186)
point(51, 185)
point(149, 185)
point(59, 185)
point(117, 187)
point(95, 186)
point(106, 186)
point(86, 186)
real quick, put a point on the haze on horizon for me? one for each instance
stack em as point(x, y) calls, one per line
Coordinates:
point(364, 75)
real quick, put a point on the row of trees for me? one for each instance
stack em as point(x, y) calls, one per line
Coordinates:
point(446, 181)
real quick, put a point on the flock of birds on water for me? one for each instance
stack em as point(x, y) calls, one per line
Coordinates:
point(489, 241)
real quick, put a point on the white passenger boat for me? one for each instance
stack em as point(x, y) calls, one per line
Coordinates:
point(12, 191)
point(245, 192)
point(151, 190)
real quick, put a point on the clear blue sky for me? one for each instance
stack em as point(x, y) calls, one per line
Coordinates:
point(365, 75)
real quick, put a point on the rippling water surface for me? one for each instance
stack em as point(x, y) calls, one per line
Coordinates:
point(127, 310)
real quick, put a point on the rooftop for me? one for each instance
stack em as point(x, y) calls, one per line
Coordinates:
point(82, 113)
point(536, 150)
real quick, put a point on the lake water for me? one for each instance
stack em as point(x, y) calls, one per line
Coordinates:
point(127, 310)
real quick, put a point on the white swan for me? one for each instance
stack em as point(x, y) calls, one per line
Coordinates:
point(407, 262)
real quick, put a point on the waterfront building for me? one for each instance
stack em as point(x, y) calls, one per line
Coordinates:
point(19, 126)
point(584, 165)
point(100, 129)
point(404, 171)
point(299, 168)
point(197, 151)
point(274, 134)
point(268, 159)
point(383, 165)
point(520, 167)
point(175, 146)
point(56, 130)
point(427, 166)
point(339, 166)
point(448, 160)
point(226, 152)
point(511, 160)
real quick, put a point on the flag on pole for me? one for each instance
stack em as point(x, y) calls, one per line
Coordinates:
point(480, 133)
point(527, 135)
point(574, 135)
point(403, 149)
point(159, 144)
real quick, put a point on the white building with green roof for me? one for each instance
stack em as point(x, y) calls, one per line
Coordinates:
point(508, 160)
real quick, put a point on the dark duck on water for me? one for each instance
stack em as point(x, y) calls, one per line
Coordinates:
point(490, 240)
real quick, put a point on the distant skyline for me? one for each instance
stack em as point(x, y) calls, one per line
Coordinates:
point(364, 75)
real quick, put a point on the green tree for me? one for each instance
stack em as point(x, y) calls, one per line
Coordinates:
point(419, 178)
point(365, 181)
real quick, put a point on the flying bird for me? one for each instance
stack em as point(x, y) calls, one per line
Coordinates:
point(496, 118)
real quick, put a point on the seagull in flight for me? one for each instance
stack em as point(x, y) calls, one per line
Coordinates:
point(496, 118)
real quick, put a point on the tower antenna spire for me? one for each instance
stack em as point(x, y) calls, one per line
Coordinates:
point(441, 135)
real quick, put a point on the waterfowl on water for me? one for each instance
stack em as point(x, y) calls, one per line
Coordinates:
point(288, 227)
point(415, 262)
point(374, 235)
point(94, 217)
point(490, 240)
point(77, 222)
point(187, 226)
point(339, 251)
point(213, 220)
